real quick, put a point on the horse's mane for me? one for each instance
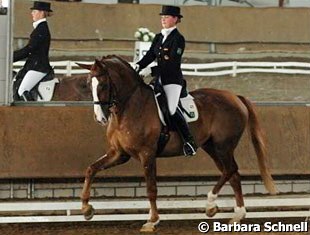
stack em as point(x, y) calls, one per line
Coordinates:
point(112, 57)
point(120, 60)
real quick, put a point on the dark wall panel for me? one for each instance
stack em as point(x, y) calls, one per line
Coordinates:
point(56, 142)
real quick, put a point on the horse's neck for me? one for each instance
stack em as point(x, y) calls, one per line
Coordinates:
point(138, 102)
point(133, 95)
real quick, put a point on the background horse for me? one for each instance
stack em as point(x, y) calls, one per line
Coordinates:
point(121, 99)
point(74, 88)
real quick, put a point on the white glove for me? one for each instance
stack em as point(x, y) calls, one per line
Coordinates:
point(145, 72)
point(136, 67)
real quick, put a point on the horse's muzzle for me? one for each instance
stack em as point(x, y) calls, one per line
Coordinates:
point(99, 115)
point(102, 121)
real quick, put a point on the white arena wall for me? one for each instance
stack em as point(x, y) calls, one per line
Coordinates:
point(35, 189)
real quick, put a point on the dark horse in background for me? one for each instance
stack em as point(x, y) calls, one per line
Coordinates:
point(124, 103)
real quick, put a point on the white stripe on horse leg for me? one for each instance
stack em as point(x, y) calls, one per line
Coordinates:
point(211, 207)
point(240, 213)
point(211, 200)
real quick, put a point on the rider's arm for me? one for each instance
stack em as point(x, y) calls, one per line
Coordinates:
point(36, 39)
point(150, 55)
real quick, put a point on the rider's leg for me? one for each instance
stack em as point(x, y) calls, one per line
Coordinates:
point(31, 79)
point(173, 92)
point(189, 147)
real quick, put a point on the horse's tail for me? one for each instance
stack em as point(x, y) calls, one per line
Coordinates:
point(258, 141)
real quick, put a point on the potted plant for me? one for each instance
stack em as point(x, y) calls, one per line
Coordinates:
point(144, 39)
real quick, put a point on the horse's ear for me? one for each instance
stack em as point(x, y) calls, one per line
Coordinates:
point(85, 66)
point(98, 63)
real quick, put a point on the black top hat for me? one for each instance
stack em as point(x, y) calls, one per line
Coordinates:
point(41, 6)
point(171, 11)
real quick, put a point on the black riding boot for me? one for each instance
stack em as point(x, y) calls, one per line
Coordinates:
point(27, 96)
point(189, 147)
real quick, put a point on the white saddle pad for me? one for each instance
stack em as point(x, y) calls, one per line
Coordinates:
point(46, 89)
point(188, 104)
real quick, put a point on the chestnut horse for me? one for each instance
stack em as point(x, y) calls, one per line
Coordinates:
point(121, 99)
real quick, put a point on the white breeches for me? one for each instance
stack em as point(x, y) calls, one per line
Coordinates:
point(173, 92)
point(29, 81)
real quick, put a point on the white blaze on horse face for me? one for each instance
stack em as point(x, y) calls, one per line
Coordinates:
point(97, 108)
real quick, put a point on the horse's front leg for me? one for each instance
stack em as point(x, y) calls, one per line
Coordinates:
point(112, 158)
point(150, 177)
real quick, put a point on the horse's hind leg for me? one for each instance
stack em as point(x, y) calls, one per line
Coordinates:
point(240, 211)
point(224, 160)
point(112, 158)
point(211, 207)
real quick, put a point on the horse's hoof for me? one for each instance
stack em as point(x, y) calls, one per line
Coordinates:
point(149, 227)
point(212, 211)
point(88, 212)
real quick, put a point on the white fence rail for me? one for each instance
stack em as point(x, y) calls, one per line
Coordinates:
point(66, 67)
point(69, 68)
point(235, 67)
point(126, 210)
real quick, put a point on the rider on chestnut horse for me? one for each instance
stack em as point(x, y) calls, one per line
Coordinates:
point(168, 47)
point(121, 99)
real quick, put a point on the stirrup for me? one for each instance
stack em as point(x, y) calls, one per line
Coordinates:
point(189, 149)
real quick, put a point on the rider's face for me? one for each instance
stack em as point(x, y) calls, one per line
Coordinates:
point(168, 21)
point(37, 15)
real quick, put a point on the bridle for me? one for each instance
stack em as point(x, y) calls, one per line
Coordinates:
point(113, 101)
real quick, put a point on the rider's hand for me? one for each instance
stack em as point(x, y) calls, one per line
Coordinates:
point(136, 67)
point(145, 72)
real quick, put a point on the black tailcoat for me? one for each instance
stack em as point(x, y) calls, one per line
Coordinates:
point(168, 56)
point(37, 50)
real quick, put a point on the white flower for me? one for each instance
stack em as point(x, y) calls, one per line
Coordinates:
point(144, 34)
point(146, 38)
point(144, 30)
point(147, 30)
point(152, 35)
point(138, 34)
